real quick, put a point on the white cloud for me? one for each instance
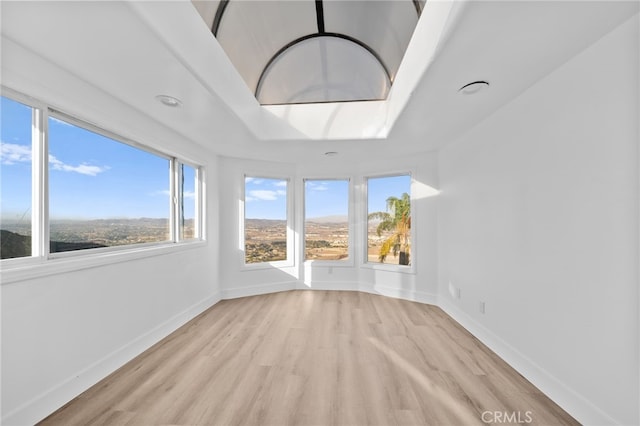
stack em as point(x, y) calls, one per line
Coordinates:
point(320, 186)
point(189, 194)
point(11, 153)
point(83, 169)
point(255, 181)
point(281, 183)
point(263, 195)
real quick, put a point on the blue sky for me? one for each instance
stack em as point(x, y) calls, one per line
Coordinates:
point(326, 198)
point(379, 189)
point(15, 163)
point(266, 198)
point(90, 176)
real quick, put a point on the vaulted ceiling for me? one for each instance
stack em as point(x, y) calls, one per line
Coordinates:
point(136, 50)
point(311, 51)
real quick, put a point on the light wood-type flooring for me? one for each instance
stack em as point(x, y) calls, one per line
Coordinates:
point(315, 358)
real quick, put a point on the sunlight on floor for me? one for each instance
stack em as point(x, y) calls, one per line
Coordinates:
point(453, 407)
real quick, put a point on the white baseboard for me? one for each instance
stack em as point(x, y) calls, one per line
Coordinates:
point(234, 293)
point(52, 399)
point(573, 403)
point(400, 293)
point(329, 285)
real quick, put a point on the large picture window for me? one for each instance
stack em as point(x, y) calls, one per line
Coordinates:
point(16, 168)
point(326, 225)
point(265, 219)
point(389, 219)
point(68, 186)
point(102, 192)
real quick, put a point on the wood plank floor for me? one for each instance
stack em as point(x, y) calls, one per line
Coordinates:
point(314, 358)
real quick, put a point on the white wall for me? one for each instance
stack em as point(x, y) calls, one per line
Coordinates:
point(539, 219)
point(69, 323)
point(420, 284)
point(62, 333)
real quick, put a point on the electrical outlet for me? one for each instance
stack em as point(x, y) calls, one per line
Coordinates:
point(454, 291)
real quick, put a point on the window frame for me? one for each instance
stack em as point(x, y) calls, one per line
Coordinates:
point(42, 262)
point(290, 222)
point(38, 175)
point(365, 263)
point(173, 200)
point(176, 174)
point(350, 261)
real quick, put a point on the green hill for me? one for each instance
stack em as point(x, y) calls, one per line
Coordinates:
point(16, 245)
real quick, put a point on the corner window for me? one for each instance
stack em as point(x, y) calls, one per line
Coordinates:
point(265, 219)
point(102, 192)
point(389, 220)
point(68, 186)
point(326, 224)
point(16, 169)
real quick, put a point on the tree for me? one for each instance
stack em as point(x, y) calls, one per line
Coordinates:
point(396, 219)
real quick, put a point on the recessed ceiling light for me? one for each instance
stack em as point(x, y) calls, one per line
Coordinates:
point(473, 87)
point(169, 101)
point(331, 153)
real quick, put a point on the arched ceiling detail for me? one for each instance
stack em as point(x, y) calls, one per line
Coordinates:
point(256, 34)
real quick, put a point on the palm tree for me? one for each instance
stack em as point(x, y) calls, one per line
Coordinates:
point(396, 219)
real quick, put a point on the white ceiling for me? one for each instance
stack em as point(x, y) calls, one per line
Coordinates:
point(133, 51)
point(308, 51)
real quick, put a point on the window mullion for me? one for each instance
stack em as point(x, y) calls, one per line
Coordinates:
point(197, 220)
point(173, 200)
point(180, 200)
point(39, 203)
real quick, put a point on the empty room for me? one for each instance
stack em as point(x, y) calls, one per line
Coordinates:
point(320, 212)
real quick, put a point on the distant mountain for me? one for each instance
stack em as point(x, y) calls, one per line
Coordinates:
point(329, 219)
point(115, 220)
point(264, 222)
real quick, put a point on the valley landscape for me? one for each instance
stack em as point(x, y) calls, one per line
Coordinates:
point(265, 240)
point(69, 235)
point(325, 239)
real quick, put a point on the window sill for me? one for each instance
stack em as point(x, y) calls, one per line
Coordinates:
point(403, 269)
point(278, 264)
point(39, 267)
point(346, 263)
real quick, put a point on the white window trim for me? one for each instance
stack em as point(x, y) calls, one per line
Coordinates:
point(42, 262)
point(199, 194)
point(407, 269)
point(279, 264)
point(350, 261)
